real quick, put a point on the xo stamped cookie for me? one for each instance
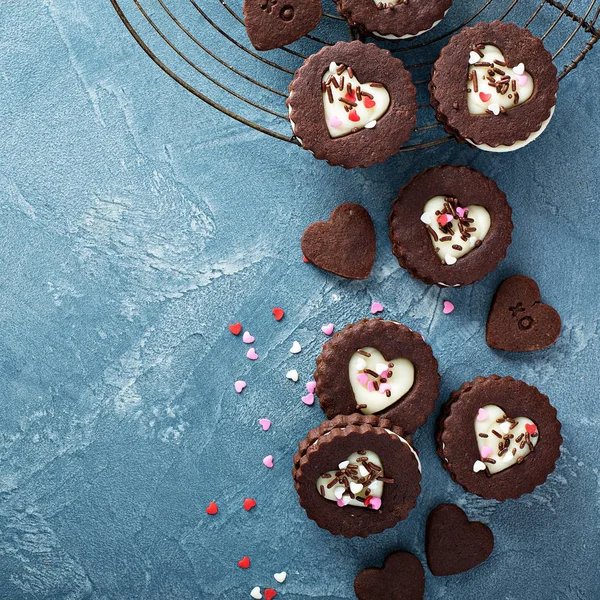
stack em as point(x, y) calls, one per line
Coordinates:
point(393, 19)
point(357, 475)
point(378, 367)
point(450, 226)
point(498, 437)
point(352, 104)
point(494, 86)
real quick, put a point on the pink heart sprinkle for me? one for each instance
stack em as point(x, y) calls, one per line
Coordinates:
point(340, 503)
point(521, 79)
point(448, 307)
point(310, 386)
point(265, 424)
point(247, 338)
point(251, 354)
point(376, 307)
point(370, 386)
point(309, 399)
point(239, 386)
point(384, 374)
point(486, 451)
point(268, 461)
point(385, 387)
point(335, 122)
point(362, 378)
point(327, 329)
point(375, 503)
point(461, 211)
point(482, 415)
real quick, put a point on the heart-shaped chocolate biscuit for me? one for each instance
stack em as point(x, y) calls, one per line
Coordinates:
point(276, 23)
point(454, 544)
point(518, 320)
point(345, 245)
point(402, 577)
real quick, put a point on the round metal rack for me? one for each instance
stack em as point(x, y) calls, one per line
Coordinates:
point(203, 46)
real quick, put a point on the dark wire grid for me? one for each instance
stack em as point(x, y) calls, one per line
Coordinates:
point(583, 23)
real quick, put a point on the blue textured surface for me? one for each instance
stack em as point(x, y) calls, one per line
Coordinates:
point(137, 223)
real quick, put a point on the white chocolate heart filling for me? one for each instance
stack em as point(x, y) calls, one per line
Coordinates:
point(492, 86)
point(454, 230)
point(503, 441)
point(357, 481)
point(376, 382)
point(349, 104)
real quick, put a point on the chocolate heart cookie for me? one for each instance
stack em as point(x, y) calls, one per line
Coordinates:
point(454, 544)
point(344, 245)
point(402, 577)
point(518, 320)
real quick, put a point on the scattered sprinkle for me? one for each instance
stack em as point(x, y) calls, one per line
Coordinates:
point(239, 386)
point(244, 563)
point(519, 69)
point(247, 338)
point(478, 466)
point(249, 503)
point(236, 328)
point(304, 259)
point(293, 375)
point(309, 399)
point(268, 461)
point(449, 259)
point(376, 307)
point(255, 593)
point(327, 329)
point(212, 509)
point(375, 503)
point(270, 594)
point(448, 307)
point(251, 354)
point(482, 414)
point(296, 348)
point(265, 424)
point(278, 313)
point(280, 577)
point(310, 386)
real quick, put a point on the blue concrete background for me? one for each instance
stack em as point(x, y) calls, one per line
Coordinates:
point(137, 223)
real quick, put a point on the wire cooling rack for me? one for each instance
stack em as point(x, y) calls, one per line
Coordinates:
point(202, 45)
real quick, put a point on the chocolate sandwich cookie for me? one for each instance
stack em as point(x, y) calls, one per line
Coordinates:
point(450, 226)
point(494, 86)
point(498, 437)
point(352, 104)
point(378, 367)
point(357, 475)
point(393, 19)
point(276, 23)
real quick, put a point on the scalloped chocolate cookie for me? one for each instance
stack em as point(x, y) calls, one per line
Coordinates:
point(450, 226)
point(393, 19)
point(498, 437)
point(378, 367)
point(357, 475)
point(494, 86)
point(352, 104)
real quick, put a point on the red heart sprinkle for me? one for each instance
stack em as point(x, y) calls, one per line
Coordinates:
point(278, 313)
point(304, 259)
point(444, 219)
point(249, 503)
point(530, 428)
point(485, 97)
point(236, 328)
point(244, 563)
point(212, 509)
point(270, 594)
point(351, 97)
point(368, 102)
point(353, 116)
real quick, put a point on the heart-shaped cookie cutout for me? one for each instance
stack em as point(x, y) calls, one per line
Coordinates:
point(503, 441)
point(518, 320)
point(454, 230)
point(358, 481)
point(349, 104)
point(492, 86)
point(376, 382)
point(345, 245)
point(454, 544)
point(402, 577)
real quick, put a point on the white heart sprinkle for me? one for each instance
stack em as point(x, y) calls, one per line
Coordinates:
point(296, 348)
point(332, 67)
point(519, 69)
point(361, 364)
point(380, 368)
point(280, 577)
point(495, 108)
point(370, 124)
point(473, 57)
point(255, 593)
point(343, 465)
point(293, 375)
point(505, 427)
point(478, 466)
point(363, 472)
point(346, 500)
point(450, 260)
point(339, 492)
point(426, 218)
point(355, 488)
